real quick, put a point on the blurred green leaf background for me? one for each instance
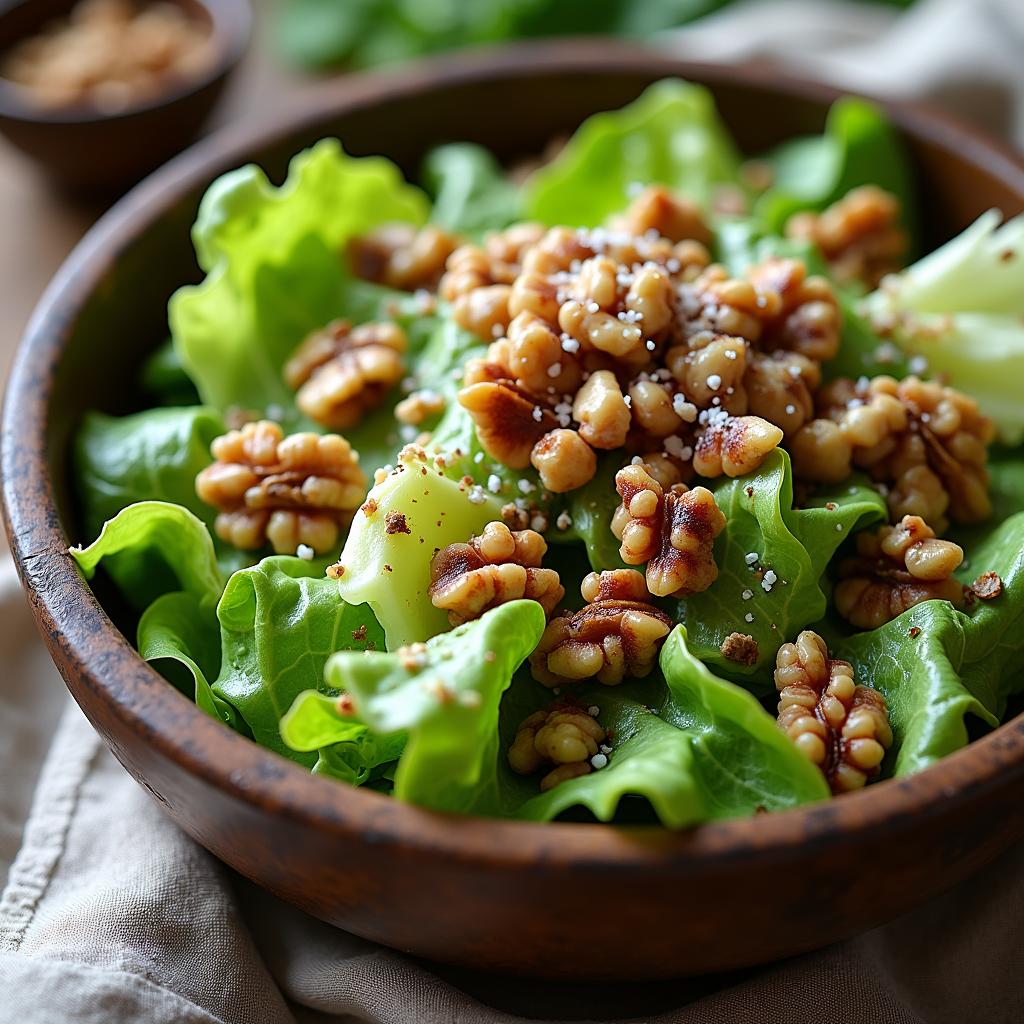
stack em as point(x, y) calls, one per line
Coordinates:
point(323, 34)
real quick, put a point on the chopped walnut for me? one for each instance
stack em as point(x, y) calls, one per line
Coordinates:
point(498, 566)
point(673, 531)
point(841, 727)
point(478, 279)
point(564, 461)
point(926, 442)
point(859, 235)
point(419, 406)
point(615, 635)
point(734, 445)
point(290, 491)
point(740, 648)
point(896, 568)
point(509, 422)
point(402, 256)
point(340, 373)
point(565, 734)
point(665, 213)
point(776, 305)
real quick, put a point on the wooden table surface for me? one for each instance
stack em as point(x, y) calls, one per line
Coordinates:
point(39, 226)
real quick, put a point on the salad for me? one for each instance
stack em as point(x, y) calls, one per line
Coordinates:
point(645, 483)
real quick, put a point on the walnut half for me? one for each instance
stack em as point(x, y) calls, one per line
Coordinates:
point(672, 530)
point(339, 372)
point(498, 566)
point(615, 635)
point(565, 735)
point(841, 727)
point(896, 568)
point(290, 491)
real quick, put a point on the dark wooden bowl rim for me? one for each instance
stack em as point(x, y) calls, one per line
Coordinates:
point(230, 28)
point(84, 638)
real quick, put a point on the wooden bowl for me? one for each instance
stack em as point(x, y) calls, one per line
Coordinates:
point(558, 900)
point(89, 151)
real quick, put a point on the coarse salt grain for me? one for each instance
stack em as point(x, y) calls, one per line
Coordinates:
point(538, 413)
point(599, 761)
point(747, 595)
point(714, 381)
point(494, 483)
point(305, 552)
point(749, 617)
point(564, 521)
point(750, 558)
point(593, 711)
point(476, 495)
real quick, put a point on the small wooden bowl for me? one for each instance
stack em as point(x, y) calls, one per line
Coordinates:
point(89, 151)
point(559, 900)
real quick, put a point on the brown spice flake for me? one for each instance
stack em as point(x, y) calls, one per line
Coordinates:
point(987, 586)
point(359, 635)
point(741, 648)
point(387, 568)
point(346, 705)
point(394, 522)
point(915, 632)
point(369, 507)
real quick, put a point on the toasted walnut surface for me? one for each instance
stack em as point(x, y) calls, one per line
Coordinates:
point(509, 421)
point(670, 531)
point(859, 235)
point(566, 735)
point(896, 568)
point(615, 635)
point(289, 491)
point(840, 726)
point(340, 373)
point(402, 256)
point(734, 445)
point(927, 443)
point(498, 566)
point(775, 305)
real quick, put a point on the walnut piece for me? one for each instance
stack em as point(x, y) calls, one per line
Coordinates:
point(672, 531)
point(841, 727)
point(565, 734)
point(290, 491)
point(615, 635)
point(734, 445)
point(741, 648)
point(340, 373)
point(927, 443)
point(402, 256)
point(859, 235)
point(498, 566)
point(509, 422)
point(896, 568)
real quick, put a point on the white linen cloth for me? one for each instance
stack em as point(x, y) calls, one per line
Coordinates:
point(109, 914)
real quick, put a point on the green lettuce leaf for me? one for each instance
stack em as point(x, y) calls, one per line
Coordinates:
point(592, 508)
point(391, 571)
point(672, 135)
point(274, 270)
point(765, 532)
point(470, 190)
point(164, 380)
point(961, 308)
point(148, 456)
point(859, 146)
point(446, 699)
point(178, 635)
point(935, 665)
point(280, 621)
point(348, 750)
point(695, 746)
point(153, 548)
